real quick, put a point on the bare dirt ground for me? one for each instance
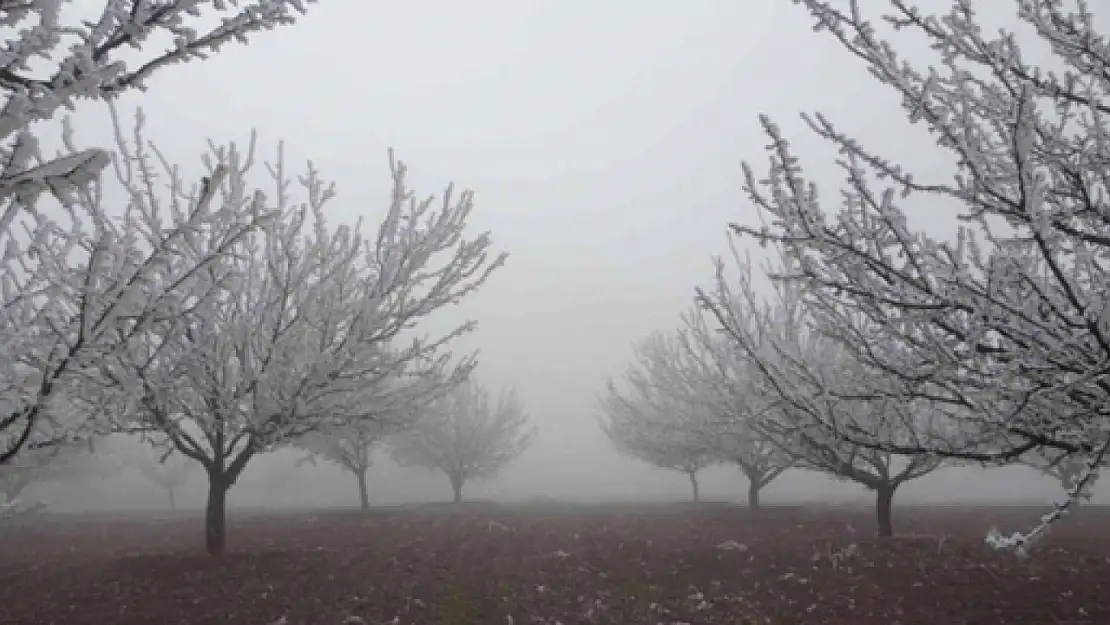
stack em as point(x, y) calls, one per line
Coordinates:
point(545, 564)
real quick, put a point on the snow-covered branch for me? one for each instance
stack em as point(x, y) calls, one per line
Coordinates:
point(72, 296)
point(84, 50)
point(70, 281)
point(1004, 331)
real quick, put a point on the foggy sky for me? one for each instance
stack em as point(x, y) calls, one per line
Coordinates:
point(604, 141)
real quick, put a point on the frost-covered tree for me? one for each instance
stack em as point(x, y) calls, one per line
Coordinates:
point(85, 280)
point(318, 322)
point(716, 373)
point(685, 407)
point(793, 366)
point(1005, 330)
point(467, 434)
point(655, 430)
point(351, 445)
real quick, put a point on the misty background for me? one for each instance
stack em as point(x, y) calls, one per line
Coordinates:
point(604, 141)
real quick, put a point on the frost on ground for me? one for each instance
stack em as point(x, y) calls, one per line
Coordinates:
point(480, 564)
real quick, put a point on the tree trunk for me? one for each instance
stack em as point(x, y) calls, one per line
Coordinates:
point(457, 482)
point(215, 516)
point(363, 491)
point(753, 494)
point(173, 502)
point(694, 485)
point(884, 503)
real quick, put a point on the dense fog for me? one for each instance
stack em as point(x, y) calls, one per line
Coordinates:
point(276, 481)
point(609, 172)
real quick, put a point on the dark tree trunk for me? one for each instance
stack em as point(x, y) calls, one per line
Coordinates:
point(363, 491)
point(215, 515)
point(753, 494)
point(884, 504)
point(457, 482)
point(221, 477)
point(173, 502)
point(693, 475)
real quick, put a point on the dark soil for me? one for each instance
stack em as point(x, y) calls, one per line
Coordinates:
point(549, 564)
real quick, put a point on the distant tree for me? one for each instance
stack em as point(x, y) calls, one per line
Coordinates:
point(466, 435)
point(351, 445)
point(653, 423)
point(168, 471)
point(715, 372)
point(793, 366)
point(80, 281)
point(687, 406)
point(639, 430)
point(318, 320)
point(759, 460)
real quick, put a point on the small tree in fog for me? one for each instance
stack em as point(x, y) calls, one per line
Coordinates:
point(759, 460)
point(646, 430)
point(712, 371)
point(652, 421)
point(79, 281)
point(168, 471)
point(312, 328)
point(352, 445)
point(686, 407)
point(467, 435)
point(794, 411)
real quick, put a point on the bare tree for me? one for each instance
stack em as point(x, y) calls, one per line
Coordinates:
point(795, 366)
point(654, 429)
point(84, 282)
point(683, 410)
point(351, 445)
point(1003, 331)
point(313, 329)
point(759, 460)
point(467, 435)
point(718, 374)
point(690, 390)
